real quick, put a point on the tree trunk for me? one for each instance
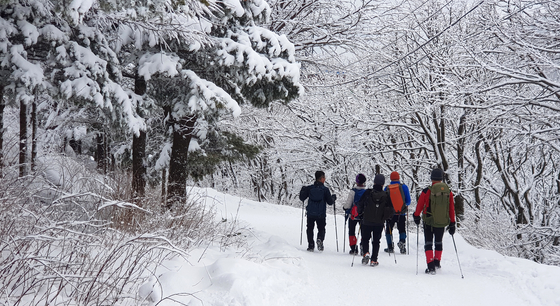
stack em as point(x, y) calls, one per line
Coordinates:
point(182, 135)
point(22, 139)
point(164, 187)
point(459, 200)
point(139, 150)
point(34, 136)
point(478, 180)
point(100, 153)
point(2, 106)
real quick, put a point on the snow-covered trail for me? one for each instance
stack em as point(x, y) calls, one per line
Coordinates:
point(277, 270)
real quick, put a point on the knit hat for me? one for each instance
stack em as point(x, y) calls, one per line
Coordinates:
point(379, 180)
point(437, 175)
point(360, 179)
point(394, 176)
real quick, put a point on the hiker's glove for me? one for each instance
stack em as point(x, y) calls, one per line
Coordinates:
point(334, 197)
point(416, 219)
point(451, 228)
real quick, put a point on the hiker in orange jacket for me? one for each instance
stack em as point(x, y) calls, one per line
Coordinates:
point(400, 197)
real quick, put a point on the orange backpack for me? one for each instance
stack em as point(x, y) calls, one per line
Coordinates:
point(397, 197)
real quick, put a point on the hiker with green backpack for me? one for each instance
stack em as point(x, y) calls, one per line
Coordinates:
point(438, 211)
point(400, 197)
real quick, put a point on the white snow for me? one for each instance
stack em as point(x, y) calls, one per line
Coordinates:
point(29, 31)
point(78, 8)
point(29, 74)
point(52, 33)
point(235, 6)
point(151, 64)
point(6, 30)
point(274, 269)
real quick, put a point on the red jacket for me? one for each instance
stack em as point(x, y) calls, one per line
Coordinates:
point(424, 201)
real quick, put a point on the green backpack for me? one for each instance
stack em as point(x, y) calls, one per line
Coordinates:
point(437, 212)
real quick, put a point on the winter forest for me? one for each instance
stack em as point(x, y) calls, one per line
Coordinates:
point(111, 109)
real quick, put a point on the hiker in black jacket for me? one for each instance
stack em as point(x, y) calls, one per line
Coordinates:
point(374, 208)
point(319, 196)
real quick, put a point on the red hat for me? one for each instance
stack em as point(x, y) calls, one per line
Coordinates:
point(394, 176)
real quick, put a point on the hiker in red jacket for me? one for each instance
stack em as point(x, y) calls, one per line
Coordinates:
point(438, 211)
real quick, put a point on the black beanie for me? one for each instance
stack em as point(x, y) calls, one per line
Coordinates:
point(360, 179)
point(437, 175)
point(379, 180)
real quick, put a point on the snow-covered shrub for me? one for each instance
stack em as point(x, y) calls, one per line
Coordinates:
point(64, 239)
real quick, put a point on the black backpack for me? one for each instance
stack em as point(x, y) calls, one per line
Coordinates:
point(376, 209)
point(316, 193)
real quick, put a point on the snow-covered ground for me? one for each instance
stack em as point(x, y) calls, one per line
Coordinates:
point(276, 270)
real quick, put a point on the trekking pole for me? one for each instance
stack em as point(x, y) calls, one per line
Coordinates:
point(417, 234)
point(335, 227)
point(394, 254)
point(385, 228)
point(457, 256)
point(359, 233)
point(407, 240)
point(301, 232)
point(344, 239)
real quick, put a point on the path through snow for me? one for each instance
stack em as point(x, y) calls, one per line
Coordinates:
point(277, 270)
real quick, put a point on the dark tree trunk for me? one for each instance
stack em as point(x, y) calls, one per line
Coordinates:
point(459, 200)
point(22, 139)
point(164, 186)
point(33, 136)
point(100, 153)
point(138, 168)
point(478, 180)
point(139, 150)
point(178, 163)
point(2, 106)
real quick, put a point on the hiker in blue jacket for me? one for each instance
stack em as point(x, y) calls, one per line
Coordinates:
point(319, 196)
point(400, 213)
point(351, 204)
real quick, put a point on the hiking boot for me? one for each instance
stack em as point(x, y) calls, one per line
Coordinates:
point(436, 264)
point(320, 247)
point(353, 250)
point(431, 268)
point(310, 248)
point(389, 250)
point(365, 260)
point(374, 264)
point(402, 247)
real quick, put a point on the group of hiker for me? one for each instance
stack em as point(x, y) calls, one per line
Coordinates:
point(379, 208)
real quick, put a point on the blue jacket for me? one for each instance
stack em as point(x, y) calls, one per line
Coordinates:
point(319, 196)
point(405, 191)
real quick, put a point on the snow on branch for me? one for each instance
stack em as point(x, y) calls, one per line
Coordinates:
point(77, 9)
point(204, 95)
point(31, 75)
point(158, 63)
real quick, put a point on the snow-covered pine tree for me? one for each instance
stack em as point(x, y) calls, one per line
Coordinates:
point(218, 59)
point(54, 49)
